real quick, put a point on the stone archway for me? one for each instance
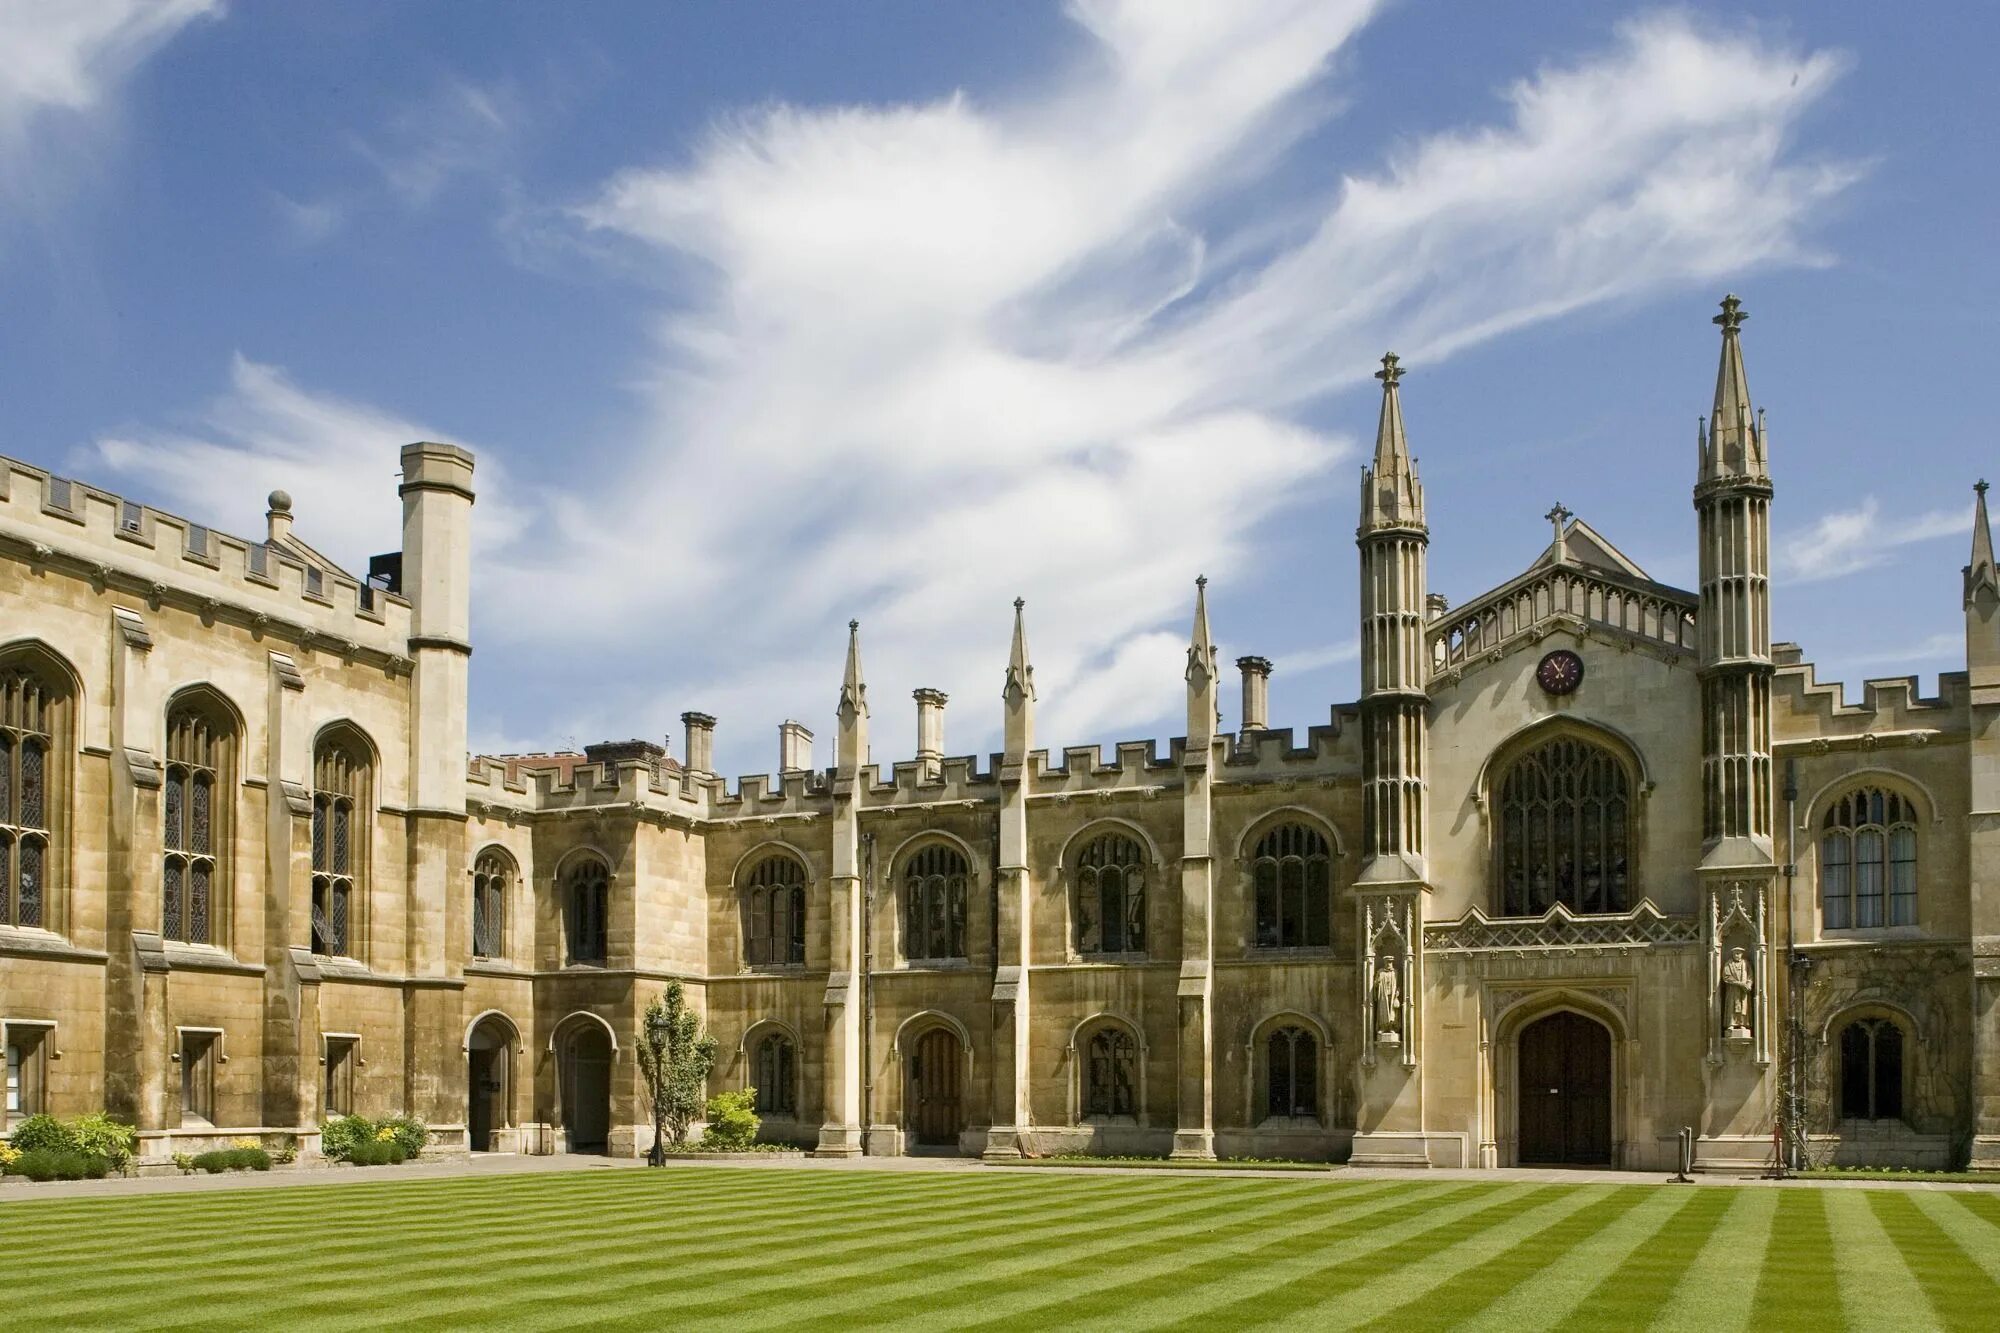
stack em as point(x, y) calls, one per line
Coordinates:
point(489, 1086)
point(934, 1089)
point(586, 1088)
point(1563, 1095)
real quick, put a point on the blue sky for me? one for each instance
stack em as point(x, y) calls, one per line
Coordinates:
point(765, 317)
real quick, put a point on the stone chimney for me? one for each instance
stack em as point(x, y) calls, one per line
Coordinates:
point(1435, 605)
point(611, 754)
point(795, 747)
point(930, 732)
point(1256, 692)
point(279, 517)
point(700, 743)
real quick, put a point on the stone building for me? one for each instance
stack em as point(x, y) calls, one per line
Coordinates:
point(1590, 860)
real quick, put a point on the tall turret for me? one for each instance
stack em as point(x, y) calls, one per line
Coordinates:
point(1733, 499)
point(1018, 694)
point(1394, 542)
point(1014, 894)
point(1982, 600)
point(840, 1135)
point(852, 749)
point(1201, 683)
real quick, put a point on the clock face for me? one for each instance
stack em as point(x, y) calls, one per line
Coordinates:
point(1560, 672)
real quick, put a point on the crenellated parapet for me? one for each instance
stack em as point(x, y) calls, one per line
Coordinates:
point(54, 523)
point(1812, 716)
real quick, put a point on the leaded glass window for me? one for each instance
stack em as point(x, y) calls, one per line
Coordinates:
point(492, 873)
point(1111, 1074)
point(1564, 830)
point(776, 1074)
point(934, 904)
point(1868, 861)
point(1293, 1063)
point(193, 812)
point(31, 713)
point(586, 902)
point(1292, 872)
point(341, 798)
point(1111, 896)
point(774, 912)
point(1871, 1070)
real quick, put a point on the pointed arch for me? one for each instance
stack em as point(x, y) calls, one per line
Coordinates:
point(1500, 1104)
point(496, 1016)
point(569, 1021)
point(924, 1020)
point(204, 738)
point(40, 698)
point(1107, 1059)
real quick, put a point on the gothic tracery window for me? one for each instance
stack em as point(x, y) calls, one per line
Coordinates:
point(492, 874)
point(586, 903)
point(1871, 1070)
point(1111, 896)
point(774, 912)
point(776, 1075)
point(32, 717)
point(1564, 817)
point(1868, 861)
point(341, 804)
point(195, 803)
point(1292, 1069)
point(1293, 875)
point(1111, 1074)
point(934, 904)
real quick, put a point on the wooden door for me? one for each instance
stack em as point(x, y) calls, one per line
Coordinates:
point(936, 1067)
point(587, 1092)
point(1564, 1079)
point(479, 1088)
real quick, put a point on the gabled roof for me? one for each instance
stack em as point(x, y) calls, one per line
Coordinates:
point(292, 546)
point(1586, 546)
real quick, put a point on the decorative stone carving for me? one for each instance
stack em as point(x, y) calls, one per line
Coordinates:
point(1388, 1003)
point(1738, 980)
point(1389, 979)
point(1561, 931)
point(1738, 986)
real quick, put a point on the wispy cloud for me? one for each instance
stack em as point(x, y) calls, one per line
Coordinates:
point(69, 55)
point(1853, 539)
point(458, 130)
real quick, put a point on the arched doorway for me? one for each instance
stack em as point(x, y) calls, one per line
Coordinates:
point(934, 1092)
point(586, 1088)
point(1564, 1104)
point(489, 1081)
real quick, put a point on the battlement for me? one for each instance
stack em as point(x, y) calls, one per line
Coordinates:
point(66, 524)
point(1806, 710)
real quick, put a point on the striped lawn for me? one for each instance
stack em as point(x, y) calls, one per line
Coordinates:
point(699, 1247)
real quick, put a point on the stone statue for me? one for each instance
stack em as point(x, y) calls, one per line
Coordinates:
point(1388, 1002)
point(1737, 988)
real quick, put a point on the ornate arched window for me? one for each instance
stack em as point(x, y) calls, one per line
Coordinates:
point(934, 904)
point(1871, 1070)
point(1868, 861)
point(776, 1075)
point(1293, 874)
point(195, 807)
point(1111, 1074)
point(774, 912)
point(586, 899)
point(1292, 1061)
point(34, 717)
point(1111, 895)
point(492, 876)
point(342, 803)
point(1565, 829)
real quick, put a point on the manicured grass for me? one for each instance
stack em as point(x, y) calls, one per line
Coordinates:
point(1167, 1164)
point(711, 1247)
point(1892, 1174)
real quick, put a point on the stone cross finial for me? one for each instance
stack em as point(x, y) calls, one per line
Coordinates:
point(1391, 371)
point(1559, 516)
point(1980, 486)
point(1732, 316)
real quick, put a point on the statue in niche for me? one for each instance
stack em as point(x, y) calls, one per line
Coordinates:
point(1388, 1003)
point(1737, 988)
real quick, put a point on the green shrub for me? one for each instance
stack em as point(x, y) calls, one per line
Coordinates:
point(409, 1133)
point(185, 1161)
point(732, 1122)
point(95, 1167)
point(38, 1164)
point(71, 1165)
point(44, 1133)
point(255, 1158)
point(98, 1135)
point(214, 1162)
point(340, 1136)
point(287, 1151)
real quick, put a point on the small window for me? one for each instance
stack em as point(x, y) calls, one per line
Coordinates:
point(1293, 1058)
point(491, 874)
point(198, 1078)
point(776, 1074)
point(1871, 1070)
point(340, 1063)
point(1111, 1074)
point(25, 1082)
point(1293, 876)
point(934, 904)
point(1868, 861)
point(586, 899)
point(774, 913)
point(1111, 896)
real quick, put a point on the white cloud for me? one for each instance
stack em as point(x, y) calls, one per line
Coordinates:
point(1853, 539)
point(69, 55)
point(458, 129)
point(335, 457)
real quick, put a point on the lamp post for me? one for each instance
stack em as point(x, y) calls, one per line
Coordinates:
point(657, 1033)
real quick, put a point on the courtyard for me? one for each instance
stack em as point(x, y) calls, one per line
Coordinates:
point(716, 1247)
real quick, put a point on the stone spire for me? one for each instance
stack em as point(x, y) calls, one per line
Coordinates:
point(853, 707)
point(1019, 693)
point(1201, 682)
point(1735, 444)
point(1980, 573)
point(1391, 494)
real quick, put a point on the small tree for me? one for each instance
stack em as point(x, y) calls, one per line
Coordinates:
point(675, 1056)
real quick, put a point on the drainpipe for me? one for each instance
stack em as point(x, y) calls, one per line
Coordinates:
point(867, 988)
point(1794, 1021)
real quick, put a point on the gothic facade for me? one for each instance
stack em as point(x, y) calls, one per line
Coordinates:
point(1590, 860)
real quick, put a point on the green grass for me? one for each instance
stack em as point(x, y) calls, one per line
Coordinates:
point(1168, 1164)
point(1890, 1173)
point(710, 1247)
